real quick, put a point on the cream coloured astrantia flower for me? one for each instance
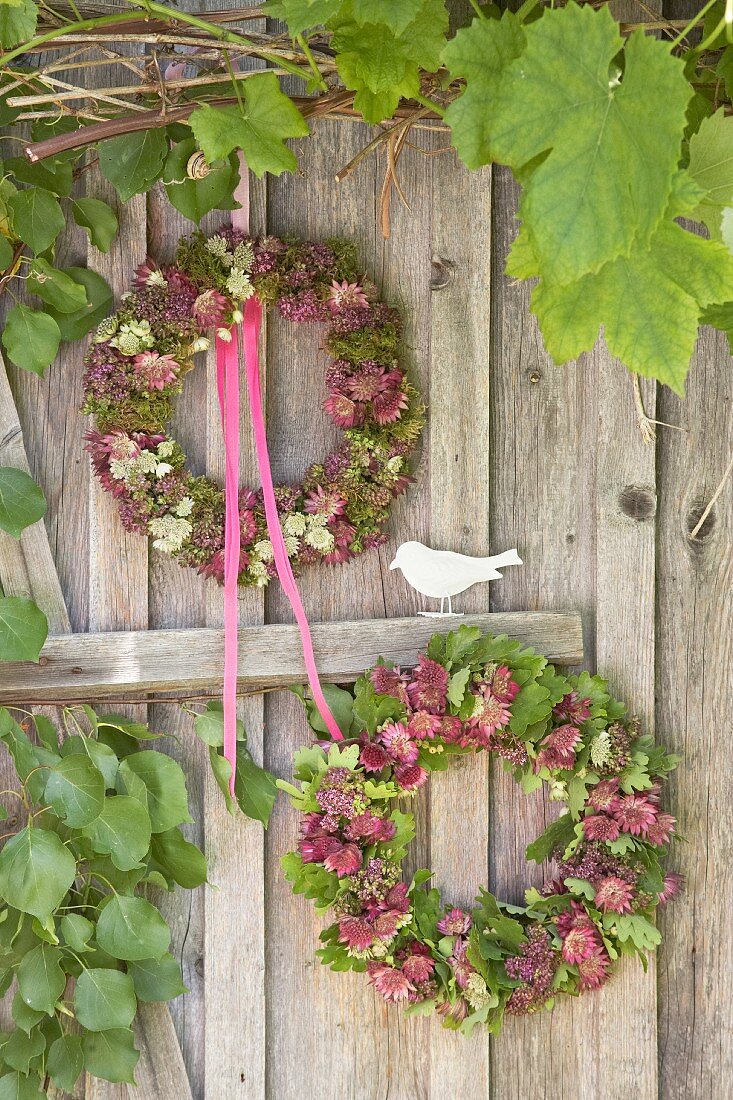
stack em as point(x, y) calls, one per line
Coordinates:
point(170, 532)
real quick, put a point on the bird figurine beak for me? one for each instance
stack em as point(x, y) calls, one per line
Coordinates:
point(393, 564)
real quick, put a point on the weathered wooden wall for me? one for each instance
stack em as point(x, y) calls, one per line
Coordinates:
point(517, 452)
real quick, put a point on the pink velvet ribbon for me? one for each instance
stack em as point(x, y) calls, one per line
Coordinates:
point(227, 379)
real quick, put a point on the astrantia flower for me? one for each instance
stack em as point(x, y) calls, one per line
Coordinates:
point(661, 830)
point(579, 944)
point(489, 713)
point(157, 371)
point(455, 923)
point(355, 933)
point(459, 963)
point(502, 686)
point(600, 827)
point(370, 828)
point(593, 970)
point(388, 681)
point(345, 861)
point(453, 1013)
point(419, 964)
point(210, 309)
point(673, 883)
point(373, 757)
point(317, 848)
point(476, 992)
point(346, 294)
point(558, 749)
point(343, 411)
point(614, 895)
point(604, 795)
point(422, 724)
point(400, 746)
point(634, 814)
point(370, 378)
point(148, 274)
point(429, 686)
point(325, 502)
point(388, 407)
point(410, 776)
point(393, 984)
point(572, 709)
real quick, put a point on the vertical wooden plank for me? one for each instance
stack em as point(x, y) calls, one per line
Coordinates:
point(235, 906)
point(695, 682)
point(543, 445)
point(356, 1046)
point(459, 434)
point(118, 561)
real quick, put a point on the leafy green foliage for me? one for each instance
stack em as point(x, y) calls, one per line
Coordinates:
point(259, 129)
point(74, 930)
point(31, 338)
point(133, 162)
point(255, 789)
point(194, 198)
point(23, 629)
point(21, 501)
point(37, 217)
point(98, 218)
point(17, 22)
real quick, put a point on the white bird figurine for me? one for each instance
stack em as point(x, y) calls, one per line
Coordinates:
point(442, 574)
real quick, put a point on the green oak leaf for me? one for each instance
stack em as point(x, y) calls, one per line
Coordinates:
point(37, 217)
point(36, 872)
point(259, 130)
point(649, 304)
point(104, 999)
point(55, 287)
point(41, 980)
point(99, 300)
point(179, 860)
point(132, 928)
point(99, 220)
point(122, 831)
point(111, 1055)
point(17, 23)
point(65, 1062)
point(21, 501)
point(133, 162)
point(596, 131)
point(196, 198)
point(480, 53)
point(31, 338)
point(711, 165)
point(558, 834)
point(158, 783)
point(23, 629)
point(157, 979)
point(75, 791)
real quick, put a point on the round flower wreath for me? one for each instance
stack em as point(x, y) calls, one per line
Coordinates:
point(467, 693)
point(141, 354)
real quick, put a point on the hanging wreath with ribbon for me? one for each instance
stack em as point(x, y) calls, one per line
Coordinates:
point(466, 694)
point(137, 364)
point(141, 355)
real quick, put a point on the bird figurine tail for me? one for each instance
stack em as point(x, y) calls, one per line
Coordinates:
point(509, 557)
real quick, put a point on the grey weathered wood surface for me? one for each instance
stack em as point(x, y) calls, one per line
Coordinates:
point(517, 452)
point(125, 662)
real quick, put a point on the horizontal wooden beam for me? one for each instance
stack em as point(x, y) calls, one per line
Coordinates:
point(92, 666)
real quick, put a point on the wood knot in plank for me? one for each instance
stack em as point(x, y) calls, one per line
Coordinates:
point(443, 271)
point(693, 518)
point(637, 503)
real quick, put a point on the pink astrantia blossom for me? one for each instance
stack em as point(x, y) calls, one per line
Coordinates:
point(418, 964)
point(157, 371)
point(343, 411)
point(634, 814)
point(502, 686)
point(345, 860)
point(593, 970)
point(146, 273)
point(558, 749)
point(423, 725)
point(410, 776)
point(579, 944)
point(373, 757)
point(572, 708)
point(399, 744)
point(455, 923)
point(429, 686)
point(604, 796)
point(391, 983)
point(661, 831)
point(356, 933)
point(389, 406)
point(614, 895)
point(210, 309)
point(346, 294)
point(673, 884)
point(489, 713)
point(600, 827)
